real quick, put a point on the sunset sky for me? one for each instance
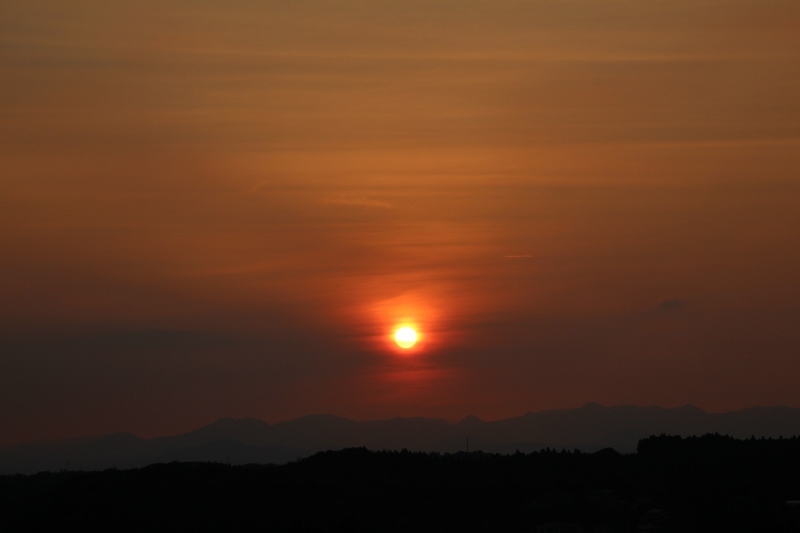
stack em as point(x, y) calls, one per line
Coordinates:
point(218, 208)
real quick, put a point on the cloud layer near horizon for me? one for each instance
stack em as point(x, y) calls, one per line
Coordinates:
point(213, 209)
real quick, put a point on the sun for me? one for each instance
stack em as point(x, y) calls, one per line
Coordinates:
point(405, 337)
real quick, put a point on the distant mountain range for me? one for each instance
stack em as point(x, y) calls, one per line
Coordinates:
point(588, 428)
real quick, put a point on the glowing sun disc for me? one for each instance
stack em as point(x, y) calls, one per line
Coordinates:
point(405, 337)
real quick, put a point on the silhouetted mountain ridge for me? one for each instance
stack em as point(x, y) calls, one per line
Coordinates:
point(707, 483)
point(588, 428)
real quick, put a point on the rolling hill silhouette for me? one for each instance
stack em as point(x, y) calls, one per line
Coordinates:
point(588, 428)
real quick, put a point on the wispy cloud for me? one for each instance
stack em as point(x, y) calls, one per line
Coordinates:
point(355, 201)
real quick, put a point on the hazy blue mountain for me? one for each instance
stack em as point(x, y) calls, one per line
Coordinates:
point(588, 428)
point(231, 452)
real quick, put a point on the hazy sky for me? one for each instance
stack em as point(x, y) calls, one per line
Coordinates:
point(217, 208)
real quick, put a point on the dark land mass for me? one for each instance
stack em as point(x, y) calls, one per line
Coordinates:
point(589, 428)
point(709, 483)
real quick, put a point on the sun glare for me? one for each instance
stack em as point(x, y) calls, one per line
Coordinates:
point(405, 337)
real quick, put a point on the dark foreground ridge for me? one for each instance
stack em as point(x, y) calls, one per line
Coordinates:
point(709, 483)
point(589, 428)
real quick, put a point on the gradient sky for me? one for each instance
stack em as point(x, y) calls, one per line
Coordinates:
point(224, 208)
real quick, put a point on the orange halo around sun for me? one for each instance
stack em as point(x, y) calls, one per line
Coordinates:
point(405, 337)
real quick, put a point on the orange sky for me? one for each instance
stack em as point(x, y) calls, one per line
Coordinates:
point(223, 208)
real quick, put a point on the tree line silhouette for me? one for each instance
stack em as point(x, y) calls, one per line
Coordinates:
point(708, 483)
